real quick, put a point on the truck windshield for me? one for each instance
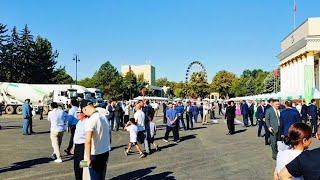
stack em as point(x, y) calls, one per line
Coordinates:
point(98, 95)
point(87, 95)
point(72, 93)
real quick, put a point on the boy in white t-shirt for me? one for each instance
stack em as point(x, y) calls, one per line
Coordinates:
point(153, 131)
point(133, 130)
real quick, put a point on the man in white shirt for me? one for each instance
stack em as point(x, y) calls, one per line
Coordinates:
point(139, 117)
point(97, 142)
point(206, 109)
point(58, 119)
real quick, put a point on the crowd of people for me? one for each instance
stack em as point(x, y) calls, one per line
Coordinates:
point(288, 129)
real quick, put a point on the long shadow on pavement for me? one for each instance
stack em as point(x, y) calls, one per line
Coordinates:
point(240, 131)
point(11, 127)
point(25, 164)
point(201, 127)
point(28, 164)
point(143, 174)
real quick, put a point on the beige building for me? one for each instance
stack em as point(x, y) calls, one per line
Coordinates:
point(299, 59)
point(148, 72)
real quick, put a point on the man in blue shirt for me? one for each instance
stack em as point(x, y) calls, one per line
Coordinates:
point(313, 116)
point(195, 112)
point(172, 117)
point(26, 115)
point(288, 116)
point(72, 123)
point(180, 111)
point(245, 113)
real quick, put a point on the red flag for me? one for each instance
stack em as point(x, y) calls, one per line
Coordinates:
point(276, 73)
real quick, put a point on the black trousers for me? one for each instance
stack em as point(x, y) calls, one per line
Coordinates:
point(126, 119)
point(174, 132)
point(314, 124)
point(266, 130)
point(98, 167)
point(251, 119)
point(230, 123)
point(72, 130)
point(30, 126)
point(164, 117)
point(78, 156)
point(189, 121)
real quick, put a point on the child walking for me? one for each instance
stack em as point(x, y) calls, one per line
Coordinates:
point(133, 130)
point(153, 131)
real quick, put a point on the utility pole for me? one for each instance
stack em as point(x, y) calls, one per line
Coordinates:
point(76, 58)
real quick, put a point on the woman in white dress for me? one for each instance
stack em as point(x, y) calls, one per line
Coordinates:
point(299, 139)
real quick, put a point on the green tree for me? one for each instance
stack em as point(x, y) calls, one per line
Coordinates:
point(222, 82)
point(109, 79)
point(87, 82)
point(164, 82)
point(12, 61)
point(237, 88)
point(61, 76)
point(3, 50)
point(269, 83)
point(44, 61)
point(198, 85)
point(27, 56)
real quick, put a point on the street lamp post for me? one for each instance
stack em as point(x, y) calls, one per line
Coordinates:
point(76, 58)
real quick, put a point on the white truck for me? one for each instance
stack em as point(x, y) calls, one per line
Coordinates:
point(97, 94)
point(13, 95)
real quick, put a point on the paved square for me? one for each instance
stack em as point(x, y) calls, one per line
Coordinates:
point(203, 153)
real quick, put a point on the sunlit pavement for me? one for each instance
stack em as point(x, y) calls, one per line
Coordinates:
point(204, 153)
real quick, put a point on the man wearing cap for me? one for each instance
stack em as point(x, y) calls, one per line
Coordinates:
point(72, 122)
point(26, 114)
point(97, 142)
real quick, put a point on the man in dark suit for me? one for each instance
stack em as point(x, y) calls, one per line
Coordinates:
point(260, 115)
point(230, 115)
point(189, 115)
point(251, 112)
point(288, 116)
point(245, 113)
point(272, 118)
point(304, 112)
point(164, 109)
point(313, 116)
point(269, 104)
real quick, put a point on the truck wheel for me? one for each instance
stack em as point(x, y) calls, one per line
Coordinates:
point(19, 110)
point(9, 110)
point(45, 110)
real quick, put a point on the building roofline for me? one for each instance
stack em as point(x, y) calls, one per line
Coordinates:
point(299, 27)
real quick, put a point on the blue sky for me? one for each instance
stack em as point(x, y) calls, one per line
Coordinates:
point(227, 34)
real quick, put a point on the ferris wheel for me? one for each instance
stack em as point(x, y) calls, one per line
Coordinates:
point(195, 66)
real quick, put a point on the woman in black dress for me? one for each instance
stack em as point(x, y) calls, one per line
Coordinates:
point(230, 116)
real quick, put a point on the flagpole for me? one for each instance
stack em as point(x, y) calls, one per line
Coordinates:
point(294, 13)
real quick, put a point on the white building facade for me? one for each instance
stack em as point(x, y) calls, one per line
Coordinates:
point(299, 59)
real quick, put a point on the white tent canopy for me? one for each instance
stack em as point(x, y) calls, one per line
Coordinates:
point(151, 98)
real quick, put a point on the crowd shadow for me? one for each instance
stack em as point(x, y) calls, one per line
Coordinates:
point(201, 127)
point(10, 127)
point(117, 147)
point(43, 132)
point(188, 137)
point(240, 131)
point(144, 174)
point(25, 164)
point(30, 163)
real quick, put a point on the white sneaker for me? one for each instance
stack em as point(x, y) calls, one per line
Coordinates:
point(165, 140)
point(58, 161)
